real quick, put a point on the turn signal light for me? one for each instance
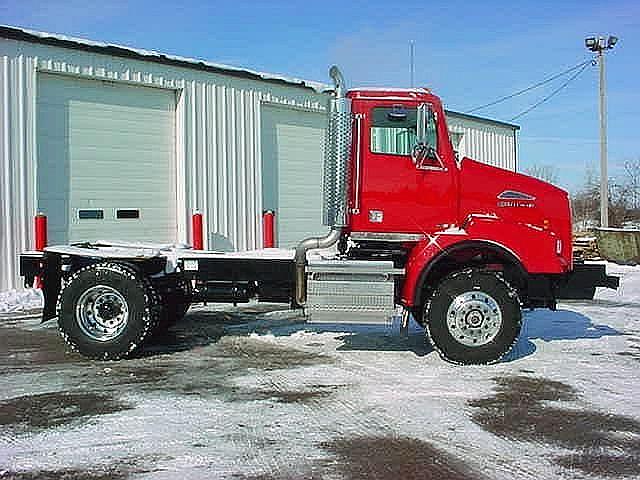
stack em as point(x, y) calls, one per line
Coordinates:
point(545, 224)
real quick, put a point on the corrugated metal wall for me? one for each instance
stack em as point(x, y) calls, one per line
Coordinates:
point(484, 141)
point(218, 154)
point(17, 155)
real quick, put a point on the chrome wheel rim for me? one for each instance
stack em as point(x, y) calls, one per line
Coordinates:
point(102, 313)
point(474, 318)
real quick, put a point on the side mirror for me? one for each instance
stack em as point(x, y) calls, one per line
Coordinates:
point(424, 153)
point(421, 126)
point(420, 149)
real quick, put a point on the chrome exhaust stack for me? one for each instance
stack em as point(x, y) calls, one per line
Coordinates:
point(337, 148)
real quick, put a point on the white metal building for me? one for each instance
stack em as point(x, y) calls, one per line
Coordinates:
point(116, 143)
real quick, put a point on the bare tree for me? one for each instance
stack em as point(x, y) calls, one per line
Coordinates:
point(546, 173)
point(624, 198)
point(586, 202)
point(631, 182)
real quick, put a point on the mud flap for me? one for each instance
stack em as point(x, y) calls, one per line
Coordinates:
point(51, 284)
point(581, 283)
point(47, 268)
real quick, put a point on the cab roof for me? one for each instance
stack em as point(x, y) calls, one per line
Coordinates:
point(394, 94)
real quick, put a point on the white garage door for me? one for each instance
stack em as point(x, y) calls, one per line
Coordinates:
point(292, 171)
point(106, 168)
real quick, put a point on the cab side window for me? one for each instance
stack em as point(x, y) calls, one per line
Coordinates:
point(393, 130)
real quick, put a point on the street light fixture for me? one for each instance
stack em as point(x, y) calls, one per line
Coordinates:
point(599, 45)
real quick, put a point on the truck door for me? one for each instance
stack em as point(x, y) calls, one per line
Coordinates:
point(399, 186)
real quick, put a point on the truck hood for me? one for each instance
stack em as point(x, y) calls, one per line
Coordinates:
point(514, 197)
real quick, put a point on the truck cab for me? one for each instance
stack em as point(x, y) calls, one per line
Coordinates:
point(401, 185)
point(409, 187)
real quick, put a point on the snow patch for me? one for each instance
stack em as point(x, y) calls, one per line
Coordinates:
point(21, 300)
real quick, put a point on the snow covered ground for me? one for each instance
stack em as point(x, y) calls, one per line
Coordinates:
point(20, 300)
point(248, 393)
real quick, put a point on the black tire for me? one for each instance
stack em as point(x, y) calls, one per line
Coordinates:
point(494, 328)
point(123, 282)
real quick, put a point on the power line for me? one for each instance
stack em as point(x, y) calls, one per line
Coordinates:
point(532, 87)
point(552, 94)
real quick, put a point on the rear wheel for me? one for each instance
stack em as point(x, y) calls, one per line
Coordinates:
point(106, 310)
point(473, 317)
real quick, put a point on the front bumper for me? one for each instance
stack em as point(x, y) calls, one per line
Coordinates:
point(581, 282)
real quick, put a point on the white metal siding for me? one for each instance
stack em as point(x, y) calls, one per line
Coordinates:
point(483, 141)
point(292, 163)
point(218, 152)
point(17, 162)
point(105, 146)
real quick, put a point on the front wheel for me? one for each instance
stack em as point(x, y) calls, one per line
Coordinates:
point(473, 317)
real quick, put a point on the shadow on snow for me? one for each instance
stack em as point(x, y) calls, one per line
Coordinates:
point(201, 328)
point(550, 326)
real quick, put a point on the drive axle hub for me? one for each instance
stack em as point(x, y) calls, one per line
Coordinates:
point(102, 313)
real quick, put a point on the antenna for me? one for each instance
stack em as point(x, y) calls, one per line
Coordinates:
point(411, 64)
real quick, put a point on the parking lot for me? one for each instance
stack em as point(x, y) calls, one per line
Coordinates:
point(255, 393)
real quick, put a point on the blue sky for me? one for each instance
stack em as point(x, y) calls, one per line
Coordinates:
point(469, 53)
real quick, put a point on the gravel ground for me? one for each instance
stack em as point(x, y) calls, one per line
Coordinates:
point(253, 393)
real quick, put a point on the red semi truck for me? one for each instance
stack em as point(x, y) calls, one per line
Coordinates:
point(461, 246)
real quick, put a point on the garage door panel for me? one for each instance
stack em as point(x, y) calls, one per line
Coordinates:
point(96, 159)
point(292, 165)
point(112, 95)
point(127, 128)
point(106, 198)
point(97, 153)
point(129, 136)
point(108, 146)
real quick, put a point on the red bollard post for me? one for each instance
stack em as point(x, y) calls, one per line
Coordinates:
point(41, 231)
point(268, 229)
point(196, 231)
point(40, 223)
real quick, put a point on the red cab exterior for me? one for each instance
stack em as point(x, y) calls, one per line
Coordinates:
point(435, 207)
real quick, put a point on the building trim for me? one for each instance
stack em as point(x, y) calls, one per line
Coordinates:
point(275, 103)
point(16, 33)
point(491, 121)
point(168, 85)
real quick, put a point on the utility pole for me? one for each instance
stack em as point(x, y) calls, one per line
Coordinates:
point(604, 176)
point(411, 64)
point(600, 45)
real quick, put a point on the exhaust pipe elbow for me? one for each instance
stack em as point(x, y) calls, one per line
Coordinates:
point(301, 259)
point(338, 81)
point(313, 243)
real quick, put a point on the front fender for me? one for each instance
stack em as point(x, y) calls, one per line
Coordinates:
point(532, 249)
